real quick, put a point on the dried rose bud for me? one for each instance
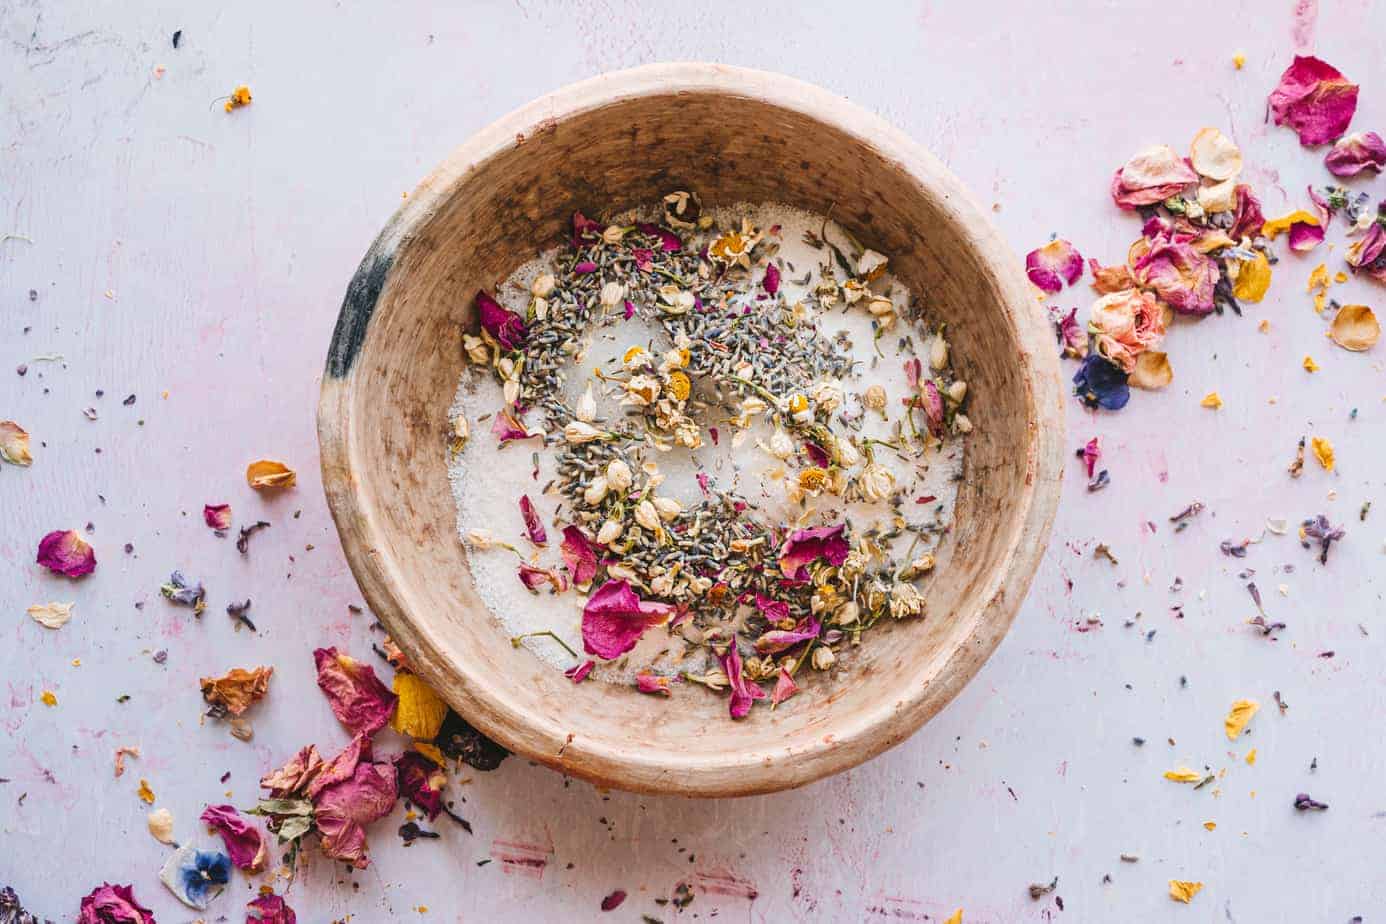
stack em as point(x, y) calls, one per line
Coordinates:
point(823, 658)
point(578, 432)
point(542, 286)
point(875, 398)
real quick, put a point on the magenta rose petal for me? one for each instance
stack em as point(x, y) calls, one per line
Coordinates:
point(343, 810)
point(777, 640)
point(615, 617)
point(578, 672)
point(270, 909)
point(217, 516)
point(785, 687)
point(359, 700)
point(505, 427)
point(579, 554)
point(654, 684)
point(1352, 154)
point(533, 525)
point(1183, 278)
point(806, 546)
point(67, 553)
point(771, 282)
point(743, 693)
point(113, 904)
point(1054, 265)
point(585, 230)
point(1305, 237)
point(1315, 100)
point(244, 845)
point(507, 327)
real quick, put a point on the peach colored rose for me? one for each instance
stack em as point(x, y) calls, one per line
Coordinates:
point(1126, 324)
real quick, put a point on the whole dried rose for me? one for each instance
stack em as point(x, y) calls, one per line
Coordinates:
point(113, 904)
point(237, 690)
point(242, 839)
point(67, 553)
point(615, 617)
point(359, 700)
point(806, 546)
point(1352, 154)
point(1126, 324)
point(1055, 264)
point(1314, 99)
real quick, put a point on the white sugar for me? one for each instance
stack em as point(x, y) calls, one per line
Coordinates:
point(488, 478)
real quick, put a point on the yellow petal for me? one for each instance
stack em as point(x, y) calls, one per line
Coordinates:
point(420, 712)
point(1355, 328)
point(1239, 60)
point(432, 752)
point(1253, 279)
point(1310, 365)
point(49, 698)
point(1183, 891)
point(955, 917)
point(1318, 279)
point(1183, 775)
point(51, 615)
point(1251, 757)
point(1212, 400)
point(145, 793)
point(1278, 226)
point(160, 824)
point(1238, 717)
point(1152, 370)
point(1210, 825)
point(266, 473)
point(1323, 451)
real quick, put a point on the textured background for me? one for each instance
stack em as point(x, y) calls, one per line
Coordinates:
point(178, 249)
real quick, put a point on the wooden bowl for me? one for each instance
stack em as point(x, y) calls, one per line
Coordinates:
point(600, 146)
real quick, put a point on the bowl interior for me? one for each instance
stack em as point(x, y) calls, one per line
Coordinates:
point(499, 202)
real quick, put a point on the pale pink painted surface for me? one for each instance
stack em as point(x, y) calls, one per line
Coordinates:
point(225, 243)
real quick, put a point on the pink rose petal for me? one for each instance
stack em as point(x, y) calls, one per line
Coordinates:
point(1352, 154)
point(669, 242)
point(67, 553)
point(534, 578)
point(1055, 264)
point(785, 687)
point(806, 546)
point(113, 904)
point(1305, 237)
point(771, 282)
point(533, 525)
point(932, 403)
point(1151, 176)
point(615, 617)
point(505, 427)
point(1247, 219)
point(343, 810)
point(217, 516)
point(1182, 277)
point(359, 700)
point(585, 230)
point(578, 672)
point(270, 909)
point(1091, 453)
point(294, 777)
point(579, 554)
point(743, 694)
point(777, 640)
point(244, 845)
point(646, 682)
point(1072, 335)
point(1315, 100)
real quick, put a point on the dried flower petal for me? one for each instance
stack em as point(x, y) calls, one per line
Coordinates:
point(1247, 219)
point(51, 615)
point(775, 641)
point(242, 839)
point(421, 711)
point(1108, 279)
point(358, 698)
point(1212, 400)
point(239, 97)
point(1051, 266)
point(507, 327)
point(293, 778)
point(1352, 154)
point(1183, 891)
point(270, 909)
point(421, 780)
point(1183, 775)
point(1151, 176)
point(533, 525)
point(1152, 371)
point(217, 516)
point(771, 280)
point(1100, 383)
point(195, 877)
point(1253, 278)
point(1355, 328)
point(615, 617)
point(343, 810)
point(160, 825)
point(1182, 277)
point(785, 687)
point(1323, 452)
point(183, 592)
point(1239, 716)
point(1305, 237)
point(806, 546)
point(743, 694)
point(1125, 324)
point(646, 682)
point(237, 690)
point(578, 672)
point(579, 554)
point(505, 427)
point(1214, 155)
point(113, 904)
point(67, 553)
point(14, 443)
point(266, 473)
point(1090, 454)
point(1071, 335)
point(1314, 99)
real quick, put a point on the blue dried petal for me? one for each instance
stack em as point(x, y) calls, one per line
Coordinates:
point(1101, 383)
point(195, 877)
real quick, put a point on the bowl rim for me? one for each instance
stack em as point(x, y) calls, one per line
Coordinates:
point(753, 769)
